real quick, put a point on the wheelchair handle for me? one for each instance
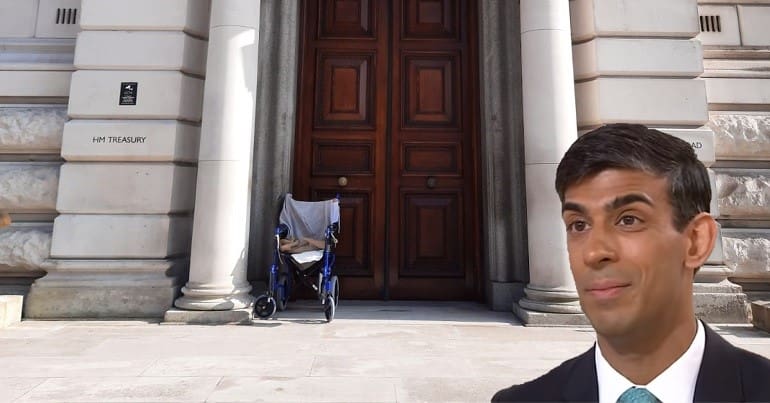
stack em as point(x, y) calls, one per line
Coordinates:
point(282, 231)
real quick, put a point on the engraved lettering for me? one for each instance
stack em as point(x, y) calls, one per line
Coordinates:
point(120, 139)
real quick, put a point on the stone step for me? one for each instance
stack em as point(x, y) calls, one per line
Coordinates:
point(760, 312)
point(10, 309)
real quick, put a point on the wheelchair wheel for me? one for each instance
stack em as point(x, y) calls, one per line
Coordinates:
point(282, 291)
point(329, 308)
point(264, 307)
point(336, 290)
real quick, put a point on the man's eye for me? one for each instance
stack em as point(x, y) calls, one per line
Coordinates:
point(577, 226)
point(629, 220)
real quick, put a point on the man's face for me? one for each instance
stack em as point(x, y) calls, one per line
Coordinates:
point(627, 258)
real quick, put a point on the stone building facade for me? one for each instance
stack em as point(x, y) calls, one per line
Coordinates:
point(145, 144)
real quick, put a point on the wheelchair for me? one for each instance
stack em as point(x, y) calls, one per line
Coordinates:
point(305, 239)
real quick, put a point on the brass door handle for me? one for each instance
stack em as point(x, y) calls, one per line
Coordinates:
point(342, 181)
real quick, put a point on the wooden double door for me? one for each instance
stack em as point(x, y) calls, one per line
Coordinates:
point(387, 119)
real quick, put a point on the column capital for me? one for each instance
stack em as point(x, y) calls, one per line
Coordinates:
point(240, 13)
point(544, 15)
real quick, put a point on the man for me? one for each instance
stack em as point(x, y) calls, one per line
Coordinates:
point(635, 206)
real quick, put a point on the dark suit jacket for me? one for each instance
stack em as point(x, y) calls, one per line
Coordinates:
point(727, 374)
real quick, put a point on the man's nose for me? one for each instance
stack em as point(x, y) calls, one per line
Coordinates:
point(599, 248)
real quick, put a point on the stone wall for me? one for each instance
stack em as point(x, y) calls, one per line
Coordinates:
point(127, 188)
point(741, 136)
point(736, 40)
point(24, 248)
point(28, 187)
point(32, 129)
point(36, 64)
point(639, 62)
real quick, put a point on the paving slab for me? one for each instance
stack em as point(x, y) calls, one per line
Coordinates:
point(14, 388)
point(449, 389)
point(123, 389)
point(371, 352)
point(245, 365)
point(70, 366)
point(316, 389)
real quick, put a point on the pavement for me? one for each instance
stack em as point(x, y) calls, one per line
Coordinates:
point(372, 352)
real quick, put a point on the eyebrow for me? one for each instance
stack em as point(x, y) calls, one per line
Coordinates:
point(621, 201)
point(570, 206)
point(615, 204)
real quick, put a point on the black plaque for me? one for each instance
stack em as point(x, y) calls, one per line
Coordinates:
point(128, 91)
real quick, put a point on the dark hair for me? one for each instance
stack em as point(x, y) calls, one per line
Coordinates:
point(636, 147)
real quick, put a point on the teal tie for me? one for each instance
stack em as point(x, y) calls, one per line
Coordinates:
point(637, 395)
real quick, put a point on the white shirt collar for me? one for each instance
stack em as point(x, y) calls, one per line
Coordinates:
point(675, 384)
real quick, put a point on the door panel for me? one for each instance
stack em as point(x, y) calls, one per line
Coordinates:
point(430, 87)
point(431, 19)
point(386, 119)
point(344, 90)
point(432, 219)
point(335, 157)
point(431, 158)
point(346, 18)
point(353, 250)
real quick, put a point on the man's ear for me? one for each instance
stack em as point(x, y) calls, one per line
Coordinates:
point(701, 235)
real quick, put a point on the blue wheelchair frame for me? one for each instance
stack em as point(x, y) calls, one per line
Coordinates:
point(279, 286)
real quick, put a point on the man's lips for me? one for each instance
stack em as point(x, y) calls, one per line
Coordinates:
point(606, 289)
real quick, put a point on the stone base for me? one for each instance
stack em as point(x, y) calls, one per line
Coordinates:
point(547, 319)
point(757, 295)
point(103, 302)
point(500, 296)
point(756, 289)
point(105, 289)
point(18, 283)
point(179, 316)
point(10, 309)
point(760, 313)
point(722, 302)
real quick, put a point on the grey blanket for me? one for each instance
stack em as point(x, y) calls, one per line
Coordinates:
point(309, 219)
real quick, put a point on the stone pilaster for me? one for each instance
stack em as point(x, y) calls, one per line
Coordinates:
point(274, 127)
point(502, 140)
point(120, 244)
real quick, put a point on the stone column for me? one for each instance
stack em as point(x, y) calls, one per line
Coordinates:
point(221, 222)
point(549, 128)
